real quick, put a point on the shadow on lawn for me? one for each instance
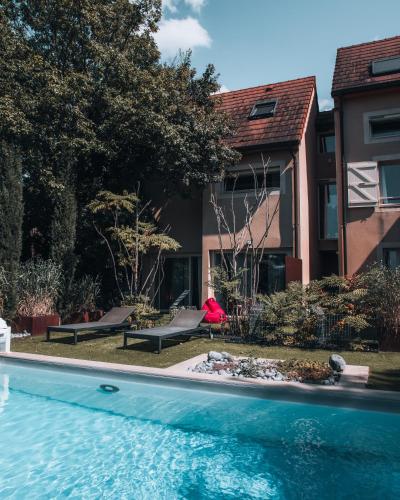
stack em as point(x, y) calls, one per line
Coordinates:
point(69, 338)
point(148, 346)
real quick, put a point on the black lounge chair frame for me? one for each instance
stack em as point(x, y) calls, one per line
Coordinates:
point(114, 320)
point(186, 323)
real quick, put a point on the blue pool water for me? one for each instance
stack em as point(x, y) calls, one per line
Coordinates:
point(60, 437)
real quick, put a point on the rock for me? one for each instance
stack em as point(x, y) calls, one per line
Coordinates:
point(215, 356)
point(227, 356)
point(336, 362)
point(278, 377)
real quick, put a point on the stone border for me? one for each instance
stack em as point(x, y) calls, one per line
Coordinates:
point(347, 396)
point(353, 376)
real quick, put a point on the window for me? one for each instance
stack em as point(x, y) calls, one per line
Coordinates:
point(328, 224)
point(385, 66)
point(262, 109)
point(249, 182)
point(180, 274)
point(391, 257)
point(385, 126)
point(382, 125)
point(389, 174)
point(272, 272)
point(327, 143)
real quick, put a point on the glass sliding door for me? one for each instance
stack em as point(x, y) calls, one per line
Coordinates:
point(180, 274)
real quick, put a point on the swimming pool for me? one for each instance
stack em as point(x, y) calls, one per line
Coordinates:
point(61, 436)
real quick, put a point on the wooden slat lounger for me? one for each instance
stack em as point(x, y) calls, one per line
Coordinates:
point(116, 319)
point(186, 323)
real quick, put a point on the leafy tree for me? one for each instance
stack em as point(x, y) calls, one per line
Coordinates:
point(11, 212)
point(124, 226)
point(101, 107)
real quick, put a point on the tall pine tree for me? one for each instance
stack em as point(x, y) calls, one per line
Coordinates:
point(11, 213)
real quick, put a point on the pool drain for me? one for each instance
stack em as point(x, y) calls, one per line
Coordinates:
point(109, 388)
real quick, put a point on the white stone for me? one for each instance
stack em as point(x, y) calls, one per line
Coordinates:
point(337, 362)
point(227, 356)
point(215, 356)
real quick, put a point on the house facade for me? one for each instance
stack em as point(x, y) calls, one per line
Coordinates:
point(333, 180)
point(366, 92)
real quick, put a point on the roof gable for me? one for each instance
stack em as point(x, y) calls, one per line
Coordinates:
point(353, 65)
point(287, 124)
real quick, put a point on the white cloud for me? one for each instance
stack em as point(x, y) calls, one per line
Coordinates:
point(196, 5)
point(181, 34)
point(222, 89)
point(325, 104)
point(172, 5)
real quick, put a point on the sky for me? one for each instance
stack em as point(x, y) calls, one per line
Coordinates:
point(257, 42)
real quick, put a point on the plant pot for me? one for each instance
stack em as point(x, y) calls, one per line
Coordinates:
point(78, 317)
point(36, 325)
point(95, 315)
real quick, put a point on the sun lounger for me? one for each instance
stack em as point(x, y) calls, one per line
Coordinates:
point(116, 319)
point(186, 323)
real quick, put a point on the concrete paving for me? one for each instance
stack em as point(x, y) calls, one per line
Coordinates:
point(350, 393)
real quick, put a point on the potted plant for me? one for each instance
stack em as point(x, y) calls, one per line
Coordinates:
point(80, 304)
point(38, 286)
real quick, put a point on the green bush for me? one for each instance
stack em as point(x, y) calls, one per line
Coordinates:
point(3, 289)
point(80, 295)
point(143, 313)
point(295, 313)
point(38, 285)
point(382, 302)
point(305, 369)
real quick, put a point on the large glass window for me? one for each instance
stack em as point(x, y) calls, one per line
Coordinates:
point(390, 183)
point(328, 223)
point(180, 274)
point(327, 143)
point(250, 181)
point(385, 126)
point(271, 274)
point(391, 257)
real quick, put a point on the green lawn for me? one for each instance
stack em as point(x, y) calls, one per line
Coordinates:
point(384, 374)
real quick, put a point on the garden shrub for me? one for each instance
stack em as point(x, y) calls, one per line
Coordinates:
point(306, 370)
point(38, 285)
point(79, 296)
point(144, 314)
point(295, 314)
point(382, 302)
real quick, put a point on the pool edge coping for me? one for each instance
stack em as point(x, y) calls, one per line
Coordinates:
point(338, 395)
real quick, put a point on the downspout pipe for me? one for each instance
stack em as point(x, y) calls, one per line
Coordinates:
point(341, 185)
point(295, 219)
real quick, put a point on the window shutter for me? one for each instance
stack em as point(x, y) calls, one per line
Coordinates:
point(362, 184)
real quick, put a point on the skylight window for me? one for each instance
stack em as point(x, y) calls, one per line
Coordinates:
point(262, 109)
point(387, 65)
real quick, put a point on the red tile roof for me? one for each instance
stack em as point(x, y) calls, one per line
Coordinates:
point(353, 65)
point(287, 125)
